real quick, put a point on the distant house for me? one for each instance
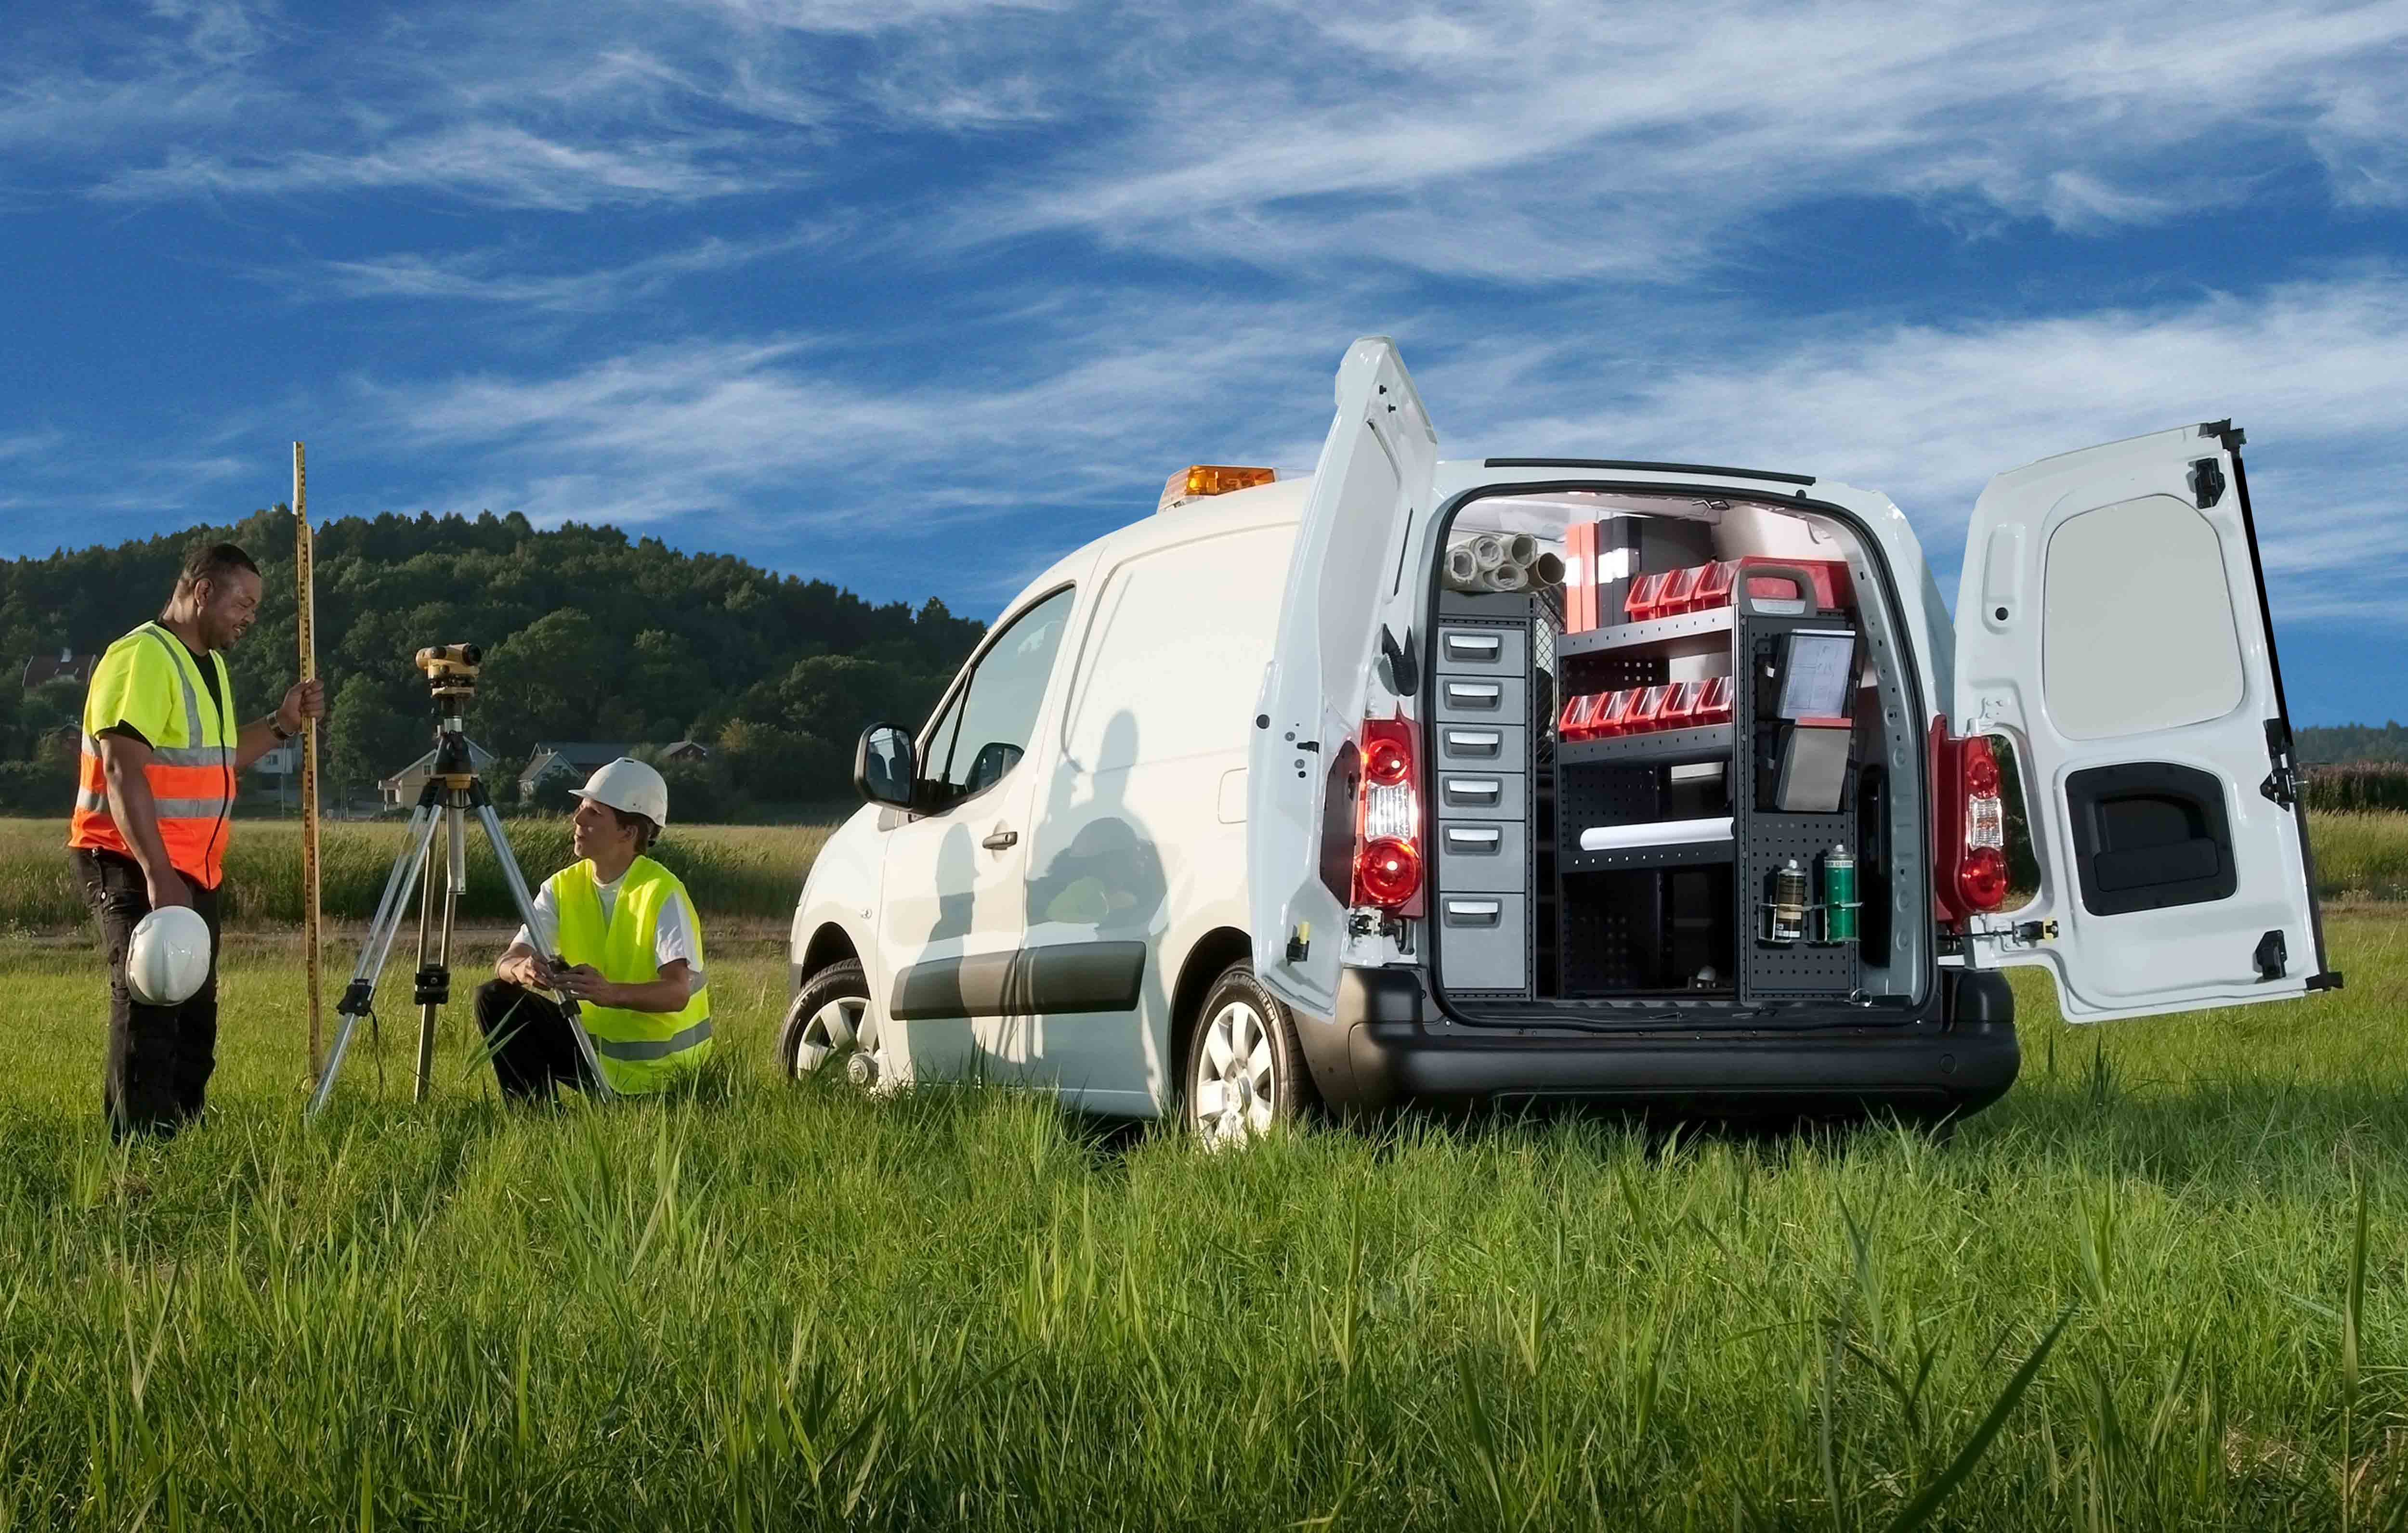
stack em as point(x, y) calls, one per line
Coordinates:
point(693, 751)
point(401, 790)
point(43, 670)
point(280, 761)
point(574, 760)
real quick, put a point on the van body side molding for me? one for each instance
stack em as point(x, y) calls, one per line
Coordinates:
point(1032, 981)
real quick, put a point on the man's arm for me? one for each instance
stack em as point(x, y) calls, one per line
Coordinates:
point(668, 992)
point(303, 702)
point(137, 813)
point(521, 965)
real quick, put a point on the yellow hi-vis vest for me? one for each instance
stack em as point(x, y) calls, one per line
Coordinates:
point(640, 1051)
point(148, 680)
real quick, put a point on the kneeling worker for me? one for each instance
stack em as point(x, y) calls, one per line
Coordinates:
point(630, 953)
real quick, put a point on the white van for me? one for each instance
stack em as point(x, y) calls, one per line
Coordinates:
point(1247, 805)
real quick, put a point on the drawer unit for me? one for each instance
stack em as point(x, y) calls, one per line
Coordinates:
point(1464, 650)
point(1489, 856)
point(1481, 796)
point(1499, 747)
point(1483, 942)
point(1483, 699)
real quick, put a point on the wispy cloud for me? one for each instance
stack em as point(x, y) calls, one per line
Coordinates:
point(504, 276)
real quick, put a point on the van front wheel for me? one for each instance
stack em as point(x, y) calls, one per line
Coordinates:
point(830, 1024)
point(1245, 1072)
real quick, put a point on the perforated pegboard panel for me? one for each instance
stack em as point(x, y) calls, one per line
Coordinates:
point(1802, 970)
point(1613, 932)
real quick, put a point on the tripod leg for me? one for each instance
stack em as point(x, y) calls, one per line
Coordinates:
point(438, 985)
point(516, 882)
point(426, 998)
point(416, 839)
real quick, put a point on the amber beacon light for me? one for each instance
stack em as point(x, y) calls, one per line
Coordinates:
point(1199, 480)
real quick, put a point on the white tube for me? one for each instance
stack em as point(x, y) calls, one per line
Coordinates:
point(1507, 578)
point(1521, 548)
point(1489, 549)
point(1656, 832)
point(1462, 567)
point(1547, 569)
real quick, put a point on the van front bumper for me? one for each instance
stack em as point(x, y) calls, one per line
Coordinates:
point(1393, 1043)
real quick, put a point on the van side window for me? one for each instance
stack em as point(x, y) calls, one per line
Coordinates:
point(986, 730)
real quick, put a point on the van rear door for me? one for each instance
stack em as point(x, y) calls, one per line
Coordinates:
point(2111, 621)
point(1374, 477)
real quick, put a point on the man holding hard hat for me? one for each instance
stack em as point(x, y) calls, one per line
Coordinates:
point(154, 801)
point(629, 953)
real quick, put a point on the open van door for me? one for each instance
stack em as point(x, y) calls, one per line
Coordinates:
point(2112, 621)
point(1374, 476)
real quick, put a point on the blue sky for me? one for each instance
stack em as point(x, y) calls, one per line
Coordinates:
point(916, 295)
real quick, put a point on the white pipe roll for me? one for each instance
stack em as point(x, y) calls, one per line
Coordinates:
point(1521, 549)
point(1507, 578)
point(1462, 567)
point(1489, 549)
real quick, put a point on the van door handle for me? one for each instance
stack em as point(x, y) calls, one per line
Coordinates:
point(1001, 839)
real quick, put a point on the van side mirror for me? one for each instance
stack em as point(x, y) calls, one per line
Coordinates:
point(885, 765)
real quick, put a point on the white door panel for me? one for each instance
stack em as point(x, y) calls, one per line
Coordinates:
point(1375, 474)
point(2111, 622)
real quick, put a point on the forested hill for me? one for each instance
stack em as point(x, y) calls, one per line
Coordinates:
point(588, 636)
point(2350, 742)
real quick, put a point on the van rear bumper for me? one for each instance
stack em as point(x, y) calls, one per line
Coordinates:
point(1380, 1050)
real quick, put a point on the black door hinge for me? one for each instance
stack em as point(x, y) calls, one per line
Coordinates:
point(2282, 784)
point(2206, 483)
point(2226, 435)
point(2272, 957)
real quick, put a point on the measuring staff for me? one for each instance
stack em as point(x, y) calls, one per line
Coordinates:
point(154, 796)
point(630, 954)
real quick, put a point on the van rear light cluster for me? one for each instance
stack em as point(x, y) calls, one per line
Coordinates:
point(1638, 710)
point(1969, 823)
point(1388, 820)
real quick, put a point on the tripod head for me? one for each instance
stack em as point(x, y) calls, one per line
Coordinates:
point(452, 675)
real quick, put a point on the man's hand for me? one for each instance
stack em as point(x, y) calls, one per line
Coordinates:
point(585, 984)
point(164, 891)
point(305, 700)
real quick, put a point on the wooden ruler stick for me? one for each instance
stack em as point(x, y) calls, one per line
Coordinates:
point(306, 626)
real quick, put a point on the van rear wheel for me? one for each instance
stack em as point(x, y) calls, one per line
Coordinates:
point(1245, 1072)
point(831, 1027)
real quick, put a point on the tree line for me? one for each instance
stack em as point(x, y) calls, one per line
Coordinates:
point(588, 634)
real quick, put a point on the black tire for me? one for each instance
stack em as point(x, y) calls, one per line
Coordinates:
point(838, 992)
point(1229, 1100)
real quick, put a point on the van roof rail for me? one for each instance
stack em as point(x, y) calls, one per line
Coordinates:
point(1650, 467)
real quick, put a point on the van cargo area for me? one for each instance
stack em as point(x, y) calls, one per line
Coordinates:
point(1682, 785)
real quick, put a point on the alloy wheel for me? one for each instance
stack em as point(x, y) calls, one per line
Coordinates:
point(1237, 1086)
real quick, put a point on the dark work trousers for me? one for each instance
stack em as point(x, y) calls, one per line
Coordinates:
point(159, 1057)
point(530, 1038)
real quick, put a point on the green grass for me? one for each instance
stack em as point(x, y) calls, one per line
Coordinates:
point(731, 871)
point(759, 1306)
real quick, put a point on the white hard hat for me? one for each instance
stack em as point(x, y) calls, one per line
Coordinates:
point(168, 956)
point(628, 784)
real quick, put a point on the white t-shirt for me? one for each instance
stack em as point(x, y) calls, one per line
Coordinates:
point(672, 934)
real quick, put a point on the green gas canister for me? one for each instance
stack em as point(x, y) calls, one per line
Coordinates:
point(1840, 902)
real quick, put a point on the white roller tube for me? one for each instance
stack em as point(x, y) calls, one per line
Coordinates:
point(1507, 578)
point(1462, 567)
point(1521, 549)
point(1489, 549)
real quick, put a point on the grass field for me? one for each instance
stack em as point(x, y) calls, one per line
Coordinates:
point(747, 871)
point(732, 870)
point(760, 1307)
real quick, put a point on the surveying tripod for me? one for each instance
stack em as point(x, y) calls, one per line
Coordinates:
point(453, 790)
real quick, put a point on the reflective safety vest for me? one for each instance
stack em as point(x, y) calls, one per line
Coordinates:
point(640, 1051)
point(149, 680)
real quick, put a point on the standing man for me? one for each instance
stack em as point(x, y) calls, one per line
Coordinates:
point(153, 802)
point(630, 953)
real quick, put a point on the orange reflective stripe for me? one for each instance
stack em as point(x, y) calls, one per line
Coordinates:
point(192, 785)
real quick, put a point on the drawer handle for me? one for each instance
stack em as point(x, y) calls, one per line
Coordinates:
point(1487, 644)
point(1474, 742)
point(1474, 912)
point(1475, 692)
point(1474, 787)
point(1456, 835)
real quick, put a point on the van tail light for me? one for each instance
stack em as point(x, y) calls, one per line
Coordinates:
point(1388, 820)
point(1969, 826)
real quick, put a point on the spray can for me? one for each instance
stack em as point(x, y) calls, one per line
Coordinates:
point(1789, 903)
point(1839, 895)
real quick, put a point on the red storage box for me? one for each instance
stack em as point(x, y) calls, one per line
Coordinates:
point(1681, 708)
point(1715, 586)
point(1647, 713)
point(1713, 702)
point(1573, 724)
point(1645, 591)
point(1680, 591)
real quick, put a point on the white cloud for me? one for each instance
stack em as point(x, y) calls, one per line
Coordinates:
point(502, 277)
